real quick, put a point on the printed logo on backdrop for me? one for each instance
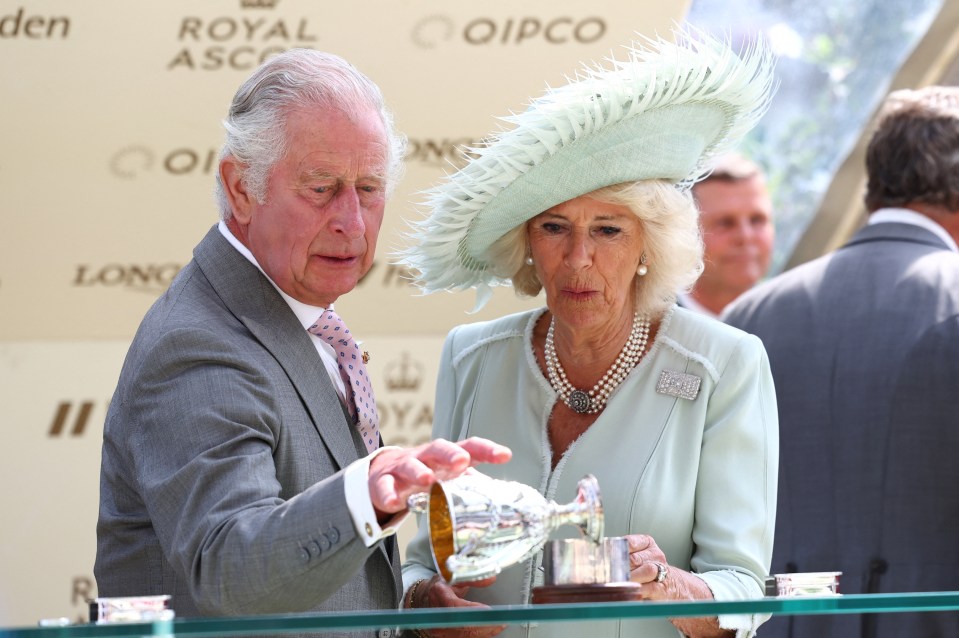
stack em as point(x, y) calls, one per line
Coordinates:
point(136, 159)
point(70, 419)
point(442, 152)
point(148, 278)
point(83, 590)
point(385, 274)
point(155, 278)
point(437, 30)
point(32, 26)
point(405, 415)
point(238, 43)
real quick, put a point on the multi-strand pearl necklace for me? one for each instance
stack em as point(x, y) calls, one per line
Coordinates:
point(595, 400)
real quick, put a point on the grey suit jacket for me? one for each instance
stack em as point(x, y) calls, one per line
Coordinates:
point(858, 483)
point(223, 450)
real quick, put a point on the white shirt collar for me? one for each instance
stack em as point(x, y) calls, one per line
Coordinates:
point(689, 302)
point(906, 216)
point(306, 313)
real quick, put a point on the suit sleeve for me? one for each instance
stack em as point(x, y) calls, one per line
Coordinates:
point(736, 488)
point(203, 426)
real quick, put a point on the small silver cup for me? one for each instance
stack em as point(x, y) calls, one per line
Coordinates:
point(579, 561)
point(807, 584)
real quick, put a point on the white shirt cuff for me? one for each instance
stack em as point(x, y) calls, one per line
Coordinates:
point(356, 484)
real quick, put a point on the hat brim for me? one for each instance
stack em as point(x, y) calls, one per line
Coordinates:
point(662, 114)
point(659, 145)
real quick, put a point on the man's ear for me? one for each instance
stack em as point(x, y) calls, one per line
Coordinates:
point(241, 201)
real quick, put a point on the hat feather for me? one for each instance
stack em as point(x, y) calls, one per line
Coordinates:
point(537, 162)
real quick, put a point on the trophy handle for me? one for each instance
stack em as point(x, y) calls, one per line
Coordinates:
point(419, 502)
point(590, 499)
point(585, 512)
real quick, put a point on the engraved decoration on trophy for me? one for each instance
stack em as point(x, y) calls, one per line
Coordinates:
point(478, 525)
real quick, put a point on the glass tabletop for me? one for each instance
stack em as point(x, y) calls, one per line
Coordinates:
point(513, 614)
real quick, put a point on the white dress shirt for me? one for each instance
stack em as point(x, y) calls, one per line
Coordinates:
point(686, 300)
point(906, 216)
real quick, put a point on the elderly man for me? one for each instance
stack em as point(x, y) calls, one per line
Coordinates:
point(863, 353)
point(242, 471)
point(736, 214)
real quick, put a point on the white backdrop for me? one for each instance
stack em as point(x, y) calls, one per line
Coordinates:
point(109, 130)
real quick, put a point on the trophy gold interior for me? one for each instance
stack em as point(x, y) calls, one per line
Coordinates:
point(441, 530)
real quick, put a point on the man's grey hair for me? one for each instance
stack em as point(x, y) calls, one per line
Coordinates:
point(298, 78)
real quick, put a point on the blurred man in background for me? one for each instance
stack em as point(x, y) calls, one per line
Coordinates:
point(862, 344)
point(736, 215)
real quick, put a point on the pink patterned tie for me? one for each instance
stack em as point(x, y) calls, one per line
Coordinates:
point(331, 329)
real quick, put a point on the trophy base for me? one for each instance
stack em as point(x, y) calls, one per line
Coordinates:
point(592, 593)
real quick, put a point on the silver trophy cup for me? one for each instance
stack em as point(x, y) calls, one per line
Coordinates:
point(479, 525)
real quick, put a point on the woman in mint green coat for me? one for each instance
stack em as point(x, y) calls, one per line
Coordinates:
point(587, 200)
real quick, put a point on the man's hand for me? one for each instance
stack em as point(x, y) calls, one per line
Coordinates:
point(397, 474)
point(436, 593)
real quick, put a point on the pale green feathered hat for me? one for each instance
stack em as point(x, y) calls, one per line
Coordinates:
point(662, 113)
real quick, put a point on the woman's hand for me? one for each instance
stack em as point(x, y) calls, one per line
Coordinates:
point(436, 592)
point(648, 566)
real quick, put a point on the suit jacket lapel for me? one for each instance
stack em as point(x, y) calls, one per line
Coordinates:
point(256, 303)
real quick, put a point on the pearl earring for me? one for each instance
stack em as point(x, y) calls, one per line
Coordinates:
point(529, 260)
point(643, 269)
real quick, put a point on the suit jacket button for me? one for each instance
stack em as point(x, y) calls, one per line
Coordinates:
point(315, 548)
point(333, 535)
point(305, 554)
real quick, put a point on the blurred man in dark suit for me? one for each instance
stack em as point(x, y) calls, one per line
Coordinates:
point(858, 341)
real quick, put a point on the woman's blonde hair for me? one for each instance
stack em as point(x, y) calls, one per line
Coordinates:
point(671, 234)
